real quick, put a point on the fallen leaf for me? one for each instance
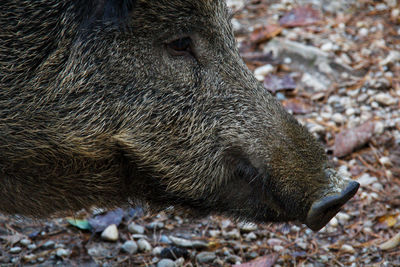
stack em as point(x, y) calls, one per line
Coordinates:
point(258, 57)
point(81, 224)
point(101, 222)
point(391, 243)
point(389, 220)
point(274, 83)
point(264, 33)
point(12, 239)
point(267, 261)
point(297, 106)
point(349, 140)
point(301, 16)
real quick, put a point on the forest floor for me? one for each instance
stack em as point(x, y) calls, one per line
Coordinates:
point(336, 66)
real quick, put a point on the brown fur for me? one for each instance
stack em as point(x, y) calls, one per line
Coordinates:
point(94, 111)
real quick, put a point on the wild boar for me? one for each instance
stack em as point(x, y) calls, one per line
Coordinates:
point(104, 102)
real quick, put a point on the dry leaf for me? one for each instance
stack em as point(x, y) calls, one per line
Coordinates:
point(389, 220)
point(301, 16)
point(297, 106)
point(12, 239)
point(264, 33)
point(347, 141)
point(275, 83)
point(391, 243)
point(267, 261)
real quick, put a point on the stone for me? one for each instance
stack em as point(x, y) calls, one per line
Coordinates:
point(62, 252)
point(49, 244)
point(110, 233)
point(262, 71)
point(205, 257)
point(144, 245)
point(135, 229)
point(155, 225)
point(233, 234)
point(347, 248)
point(233, 259)
point(166, 263)
point(15, 250)
point(343, 217)
point(185, 243)
point(157, 251)
point(385, 99)
point(366, 179)
point(247, 227)
point(251, 236)
point(130, 247)
point(25, 242)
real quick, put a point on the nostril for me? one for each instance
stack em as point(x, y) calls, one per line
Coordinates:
point(323, 210)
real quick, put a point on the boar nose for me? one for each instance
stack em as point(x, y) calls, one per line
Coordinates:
point(323, 210)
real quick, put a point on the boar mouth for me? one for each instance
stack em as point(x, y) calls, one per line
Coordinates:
point(324, 209)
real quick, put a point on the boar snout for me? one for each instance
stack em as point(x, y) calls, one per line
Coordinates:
point(325, 208)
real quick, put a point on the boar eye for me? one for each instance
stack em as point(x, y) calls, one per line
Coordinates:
point(180, 47)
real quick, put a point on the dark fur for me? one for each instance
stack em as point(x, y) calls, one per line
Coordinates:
point(94, 111)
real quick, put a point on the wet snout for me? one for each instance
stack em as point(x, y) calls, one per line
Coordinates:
point(323, 210)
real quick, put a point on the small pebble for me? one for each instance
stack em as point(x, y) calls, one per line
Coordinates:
point(32, 246)
point(233, 234)
point(247, 227)
point(327, 47)
point(385, 161)
point(377, 186)
point(166, 263)
point(366, 179)
point(302, 245)
point(25, 242)
point(287, 60)
point(62, 253)
point(347, 248)
point(363, 32)
point(49, 244)
point(253, 255)
point(29, 257)
point(334, 222)
point(251, 236)
point(262, 71)
point(15, 250)
point(350, 112)
point(214, 233)
point(233, 259)
point(110, 233)
point(165, 239)
point(180, 262)
point(144, 245)
point(130, 247)
point(135, 229)
point(385, 99)
point(379, 128)
point(181, 242)
point(343, 217)
point(157, 251)
point(278, 248)
point(155, 225)
point(338, 118)
point(205, 257)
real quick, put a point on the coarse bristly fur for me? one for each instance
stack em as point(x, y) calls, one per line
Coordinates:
point(95, 111)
